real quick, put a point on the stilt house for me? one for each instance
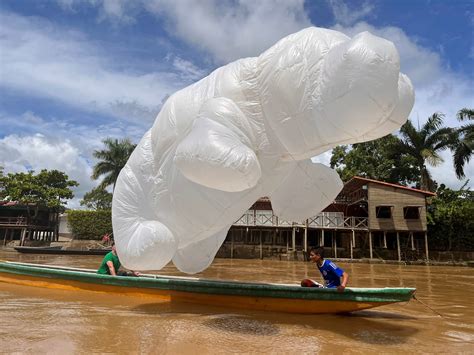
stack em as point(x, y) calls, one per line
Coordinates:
point(368, 219)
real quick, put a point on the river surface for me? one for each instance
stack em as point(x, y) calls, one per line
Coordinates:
point(35, 320)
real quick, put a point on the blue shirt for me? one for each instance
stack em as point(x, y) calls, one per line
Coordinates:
point(331, 273)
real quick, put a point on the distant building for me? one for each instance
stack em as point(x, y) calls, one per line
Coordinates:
point(28, 223)
point(368, 219)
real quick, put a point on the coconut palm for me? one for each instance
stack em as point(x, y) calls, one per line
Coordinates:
point(464, 147)
point(424, 144)
point(111, 160)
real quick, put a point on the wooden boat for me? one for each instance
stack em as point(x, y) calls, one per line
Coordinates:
point(230, 294)
point(60, 251)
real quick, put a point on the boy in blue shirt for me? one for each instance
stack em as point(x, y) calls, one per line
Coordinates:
point(331, 272)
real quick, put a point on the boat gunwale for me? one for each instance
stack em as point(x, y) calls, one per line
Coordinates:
point(207, 286)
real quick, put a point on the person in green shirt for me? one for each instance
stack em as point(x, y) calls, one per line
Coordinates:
point(111, 264)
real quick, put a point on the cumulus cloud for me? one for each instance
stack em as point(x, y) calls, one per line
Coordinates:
point(187, 70)
point(58, 144)
point(43, 60)
point(36, 152)
point(347, 16)
point(229, 30)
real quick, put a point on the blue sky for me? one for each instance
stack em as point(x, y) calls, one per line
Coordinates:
point(75, 72)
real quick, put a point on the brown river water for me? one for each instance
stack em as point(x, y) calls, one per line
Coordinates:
point(35, 320)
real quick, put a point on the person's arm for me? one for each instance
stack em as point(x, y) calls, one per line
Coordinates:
point(112, 270)
point(345, 278)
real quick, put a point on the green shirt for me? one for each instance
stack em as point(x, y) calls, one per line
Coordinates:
point(104, 268)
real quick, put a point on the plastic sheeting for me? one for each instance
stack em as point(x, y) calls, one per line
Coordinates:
point(249, 130)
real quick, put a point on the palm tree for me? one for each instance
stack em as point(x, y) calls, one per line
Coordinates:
point(111, 160)
point(464, 147)
point(424, 144)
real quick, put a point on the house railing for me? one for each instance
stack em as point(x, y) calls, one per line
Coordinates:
point(13, 221)
point(328, 220)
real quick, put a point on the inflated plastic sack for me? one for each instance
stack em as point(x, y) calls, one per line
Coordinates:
point(249, 130)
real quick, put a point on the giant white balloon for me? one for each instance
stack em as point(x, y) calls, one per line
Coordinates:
point(249, 130)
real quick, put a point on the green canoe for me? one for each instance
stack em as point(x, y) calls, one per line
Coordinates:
point(230, 294)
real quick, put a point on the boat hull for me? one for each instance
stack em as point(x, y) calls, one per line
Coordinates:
point(254, 296)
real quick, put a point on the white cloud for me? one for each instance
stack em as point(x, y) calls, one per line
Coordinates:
point(58, 144)
point(119, 10)
point(225, 29)
point(36, 152)
point(187, 70)
point(229, 30)
point(47, 61)
point(347, 16)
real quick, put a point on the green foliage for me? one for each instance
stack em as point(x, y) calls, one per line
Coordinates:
point(424, 145)
point(111, 160)
point(377, 159)
point(451, 219)
point(464, 146)
point(47, 188)
point(97, 199)
point(89, 224)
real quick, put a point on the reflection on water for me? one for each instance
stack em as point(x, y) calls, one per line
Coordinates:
point(35, 320)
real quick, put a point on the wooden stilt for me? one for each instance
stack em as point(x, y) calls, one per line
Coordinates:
point(370, 245)
point(426, 247)
point(398, 247)
point(261, 245)
point(384, 239)
point(23, 234)
point(334, 237)
point(306, 236)
point(351, 243)
point(322, 238)
point(231, 244)
point(412, 241)
point(293, 239)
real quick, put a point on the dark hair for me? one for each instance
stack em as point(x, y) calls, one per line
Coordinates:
point(318, 251)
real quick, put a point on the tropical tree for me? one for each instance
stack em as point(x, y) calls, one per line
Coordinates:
point(111, 160)
point(425, 144)
point(97, 199)
point(376, 159)
point(450, 222)
point(47, 188)
point(464, 146)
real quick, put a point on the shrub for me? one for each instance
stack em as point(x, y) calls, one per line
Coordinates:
point(89, 224)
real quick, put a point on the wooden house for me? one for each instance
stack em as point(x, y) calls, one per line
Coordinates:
point(29, 224)
point(369, 218)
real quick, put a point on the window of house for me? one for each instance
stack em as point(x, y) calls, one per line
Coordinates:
point(411, 212)
point(383, 211)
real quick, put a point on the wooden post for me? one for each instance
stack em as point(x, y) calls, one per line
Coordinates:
point(287, 242)
point(334, 237)
point(231, 244)
point(398, 247)
point(352, 246)
point(370, 245)
point(322, 238)
point(293, 239)
point(261, 245)
point(412, 241)
point(23, 234)
point(306, 236)
point(384, 239)
point(5, 236)
point(426, 248)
